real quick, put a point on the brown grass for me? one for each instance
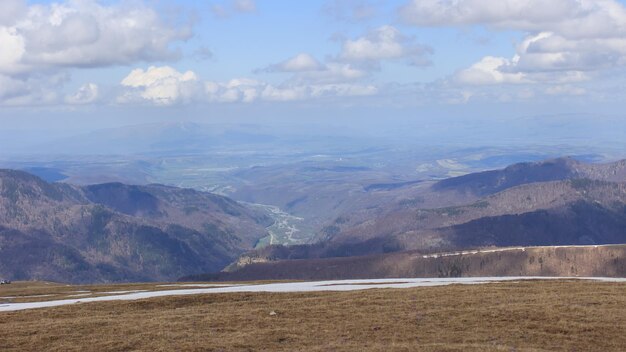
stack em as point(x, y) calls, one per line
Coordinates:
point(525, 316)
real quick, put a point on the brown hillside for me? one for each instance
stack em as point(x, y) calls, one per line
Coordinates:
point(608, 261)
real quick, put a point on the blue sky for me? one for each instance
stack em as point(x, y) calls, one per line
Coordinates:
point(101, 63)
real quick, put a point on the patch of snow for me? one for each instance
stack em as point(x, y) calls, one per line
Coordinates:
point(523, 249)
point(197, 285)
point(118, 292)
point(335, 285)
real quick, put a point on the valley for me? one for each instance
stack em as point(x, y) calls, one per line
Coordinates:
point(286, 229)
point(335, 214)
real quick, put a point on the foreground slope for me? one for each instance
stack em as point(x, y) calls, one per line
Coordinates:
point(114, 232)
point(522, 316)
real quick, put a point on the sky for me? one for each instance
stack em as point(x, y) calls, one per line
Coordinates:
point(86, 64)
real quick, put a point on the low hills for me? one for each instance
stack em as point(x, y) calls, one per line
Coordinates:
point(490, 182)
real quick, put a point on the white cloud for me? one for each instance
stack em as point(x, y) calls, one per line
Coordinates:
point(316, 91)
point(343, 90)
point(574, 18)
point(272, 93)
point(40, 43)
point(11, 51)
point(11, 88)
point(567, 41)
point(384, 43)
point(548, 51)
point(37, 89)
point(249, 91)
point(334, 72)
point(86, 94)
point(489, 70)
point(160, 85)
point(86, 34)
point(166, 86)
point(307, 70)
point(346, 73)
point(300, 63)
point(12, 10)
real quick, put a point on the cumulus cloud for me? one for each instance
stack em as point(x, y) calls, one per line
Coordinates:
point(11, 88)
point(12, 10)
point(307, 70)
point(42, 42)
point(489, 70)
point(165, 86)
point(516, 14)
point(35, 89)
point(249, 91)
point(300, 63)
point(160, 85)
point(571, 18)
point(86, 94)
point(86, 34)
point(566, 40)
point(333, 72)
point(385, 43)
point(345, 73)
point(236, 90)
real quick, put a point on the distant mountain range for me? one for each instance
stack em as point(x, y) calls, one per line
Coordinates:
point(117, 232)
point(554, 202)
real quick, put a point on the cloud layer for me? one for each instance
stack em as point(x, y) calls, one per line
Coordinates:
point(166, 86)
point(563, 48)
point(567, 41)
point(38, 41)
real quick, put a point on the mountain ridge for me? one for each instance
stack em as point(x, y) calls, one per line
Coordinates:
point(117, 232)
point(562, 209)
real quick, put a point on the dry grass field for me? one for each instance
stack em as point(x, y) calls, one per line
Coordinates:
point(524, 316)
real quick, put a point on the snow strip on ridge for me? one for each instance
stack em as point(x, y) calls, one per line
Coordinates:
point(336, 285)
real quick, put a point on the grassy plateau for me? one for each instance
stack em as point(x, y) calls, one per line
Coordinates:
point(567, 315)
